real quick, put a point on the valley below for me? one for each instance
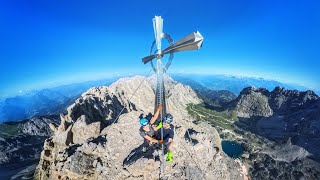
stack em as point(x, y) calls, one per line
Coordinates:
point(266, 159)
point(270, 148)
point(21, 144)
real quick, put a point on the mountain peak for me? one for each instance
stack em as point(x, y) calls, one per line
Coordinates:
point(254, 101)
point(91, 143)
point(251, 89)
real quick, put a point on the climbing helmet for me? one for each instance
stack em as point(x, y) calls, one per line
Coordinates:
point(144, 121)
point(168, 118)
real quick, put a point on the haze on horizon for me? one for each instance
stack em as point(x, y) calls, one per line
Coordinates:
point(46, 43)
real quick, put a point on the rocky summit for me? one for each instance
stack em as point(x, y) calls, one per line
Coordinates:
point(91, 143)
point(260, 102)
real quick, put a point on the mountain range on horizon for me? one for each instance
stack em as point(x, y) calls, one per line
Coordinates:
point(55, 100)
point(235, 83)
point(203, 79)
point(42, 102)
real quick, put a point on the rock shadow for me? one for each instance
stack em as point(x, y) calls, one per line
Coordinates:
point(188, 136)
point(137, 153)
point(99, 140)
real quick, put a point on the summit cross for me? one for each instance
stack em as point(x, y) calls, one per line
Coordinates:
point(192, 41)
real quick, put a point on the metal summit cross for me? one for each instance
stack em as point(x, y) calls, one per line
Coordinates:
point(192, 41)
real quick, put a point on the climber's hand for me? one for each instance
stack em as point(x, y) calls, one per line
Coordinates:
point(170, 140)
point(159, 107)
point(161, 141)
point(154, 141)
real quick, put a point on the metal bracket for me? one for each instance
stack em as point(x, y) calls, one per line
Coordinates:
point(170, 58)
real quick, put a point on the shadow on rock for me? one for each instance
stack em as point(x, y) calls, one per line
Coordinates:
point(99, 140)
point(188, 136)
point(137, 153)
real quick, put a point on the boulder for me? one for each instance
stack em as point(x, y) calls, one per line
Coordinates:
point(82, 131)
point(63, 138)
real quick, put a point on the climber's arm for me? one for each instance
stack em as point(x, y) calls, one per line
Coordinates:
point(151, 139)
point(155, 117)
point(156, 128)
point(147, 137)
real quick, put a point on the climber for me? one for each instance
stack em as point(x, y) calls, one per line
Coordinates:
point(168, 133)
point(148, 129)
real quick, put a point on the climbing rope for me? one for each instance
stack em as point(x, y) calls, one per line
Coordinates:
point(132, 96)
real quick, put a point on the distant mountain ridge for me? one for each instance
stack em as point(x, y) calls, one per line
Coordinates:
point(235, 84)
point(280, 101)
point(55, 100)
point(44, 102)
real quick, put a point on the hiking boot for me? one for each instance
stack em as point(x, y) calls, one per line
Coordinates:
point(169, 157)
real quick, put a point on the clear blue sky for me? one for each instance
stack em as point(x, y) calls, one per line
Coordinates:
point(51, 42)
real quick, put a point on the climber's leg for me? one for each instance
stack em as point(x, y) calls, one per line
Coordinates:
point(145, 145)
point(169, 144)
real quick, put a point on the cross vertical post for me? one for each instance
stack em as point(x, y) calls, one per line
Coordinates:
point(192, 41)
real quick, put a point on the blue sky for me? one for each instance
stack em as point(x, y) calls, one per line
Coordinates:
point(54, 42)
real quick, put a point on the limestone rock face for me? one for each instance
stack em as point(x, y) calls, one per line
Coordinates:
point(82, 131)
point(254, 101)
point(284, 101)
point(87, 145)
point(63, 138)
point(38, 126)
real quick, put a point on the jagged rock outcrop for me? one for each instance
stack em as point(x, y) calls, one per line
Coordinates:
point(39, 126)
point(115, 152)
point(254, 101)
point(284, 101)
point(82, 130)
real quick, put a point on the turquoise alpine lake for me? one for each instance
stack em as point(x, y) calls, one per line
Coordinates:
point(232, 148)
